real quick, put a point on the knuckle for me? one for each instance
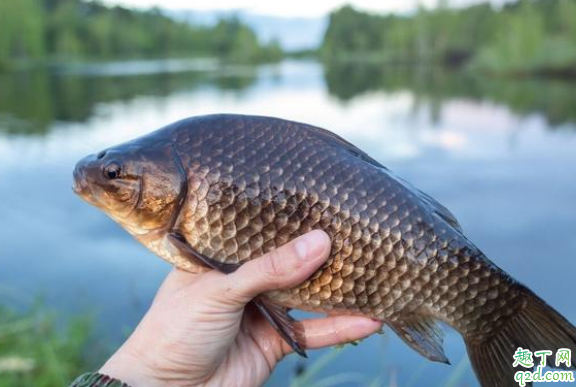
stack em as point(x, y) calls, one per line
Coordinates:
point(336, 330)
point(342, 334)
point(271, 266)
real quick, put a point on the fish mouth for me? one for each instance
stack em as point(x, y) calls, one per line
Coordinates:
point(80, 184)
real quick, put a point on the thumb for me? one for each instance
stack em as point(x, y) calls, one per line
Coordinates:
point(282, 268)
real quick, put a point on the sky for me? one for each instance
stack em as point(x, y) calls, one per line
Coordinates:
point(293, 8)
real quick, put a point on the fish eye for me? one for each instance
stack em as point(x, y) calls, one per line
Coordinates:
point(112, 171)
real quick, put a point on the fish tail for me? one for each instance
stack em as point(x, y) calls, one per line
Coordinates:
point(536, 326)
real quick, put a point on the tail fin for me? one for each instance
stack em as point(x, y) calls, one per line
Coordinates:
point(535, 327)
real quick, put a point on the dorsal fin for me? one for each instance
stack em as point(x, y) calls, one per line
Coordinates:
point(441, 211)
point(438, 208)
point(334, 139)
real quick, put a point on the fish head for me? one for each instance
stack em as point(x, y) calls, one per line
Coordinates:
point(137, 184)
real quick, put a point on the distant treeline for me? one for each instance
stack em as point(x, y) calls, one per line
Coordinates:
point(37, 30)
point(525, 37)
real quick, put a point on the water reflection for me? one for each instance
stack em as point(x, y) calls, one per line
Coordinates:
point(31, 101)
point(554, 99)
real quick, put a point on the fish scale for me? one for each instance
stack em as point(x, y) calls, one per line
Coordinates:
point(216, 191)
point(385, 244)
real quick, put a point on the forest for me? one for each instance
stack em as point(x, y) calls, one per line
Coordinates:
point(527, 37)
point(33, 31)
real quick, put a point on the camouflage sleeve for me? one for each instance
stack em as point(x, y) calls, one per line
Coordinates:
point(97, 380)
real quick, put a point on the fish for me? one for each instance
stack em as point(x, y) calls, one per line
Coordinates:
point(213, 192)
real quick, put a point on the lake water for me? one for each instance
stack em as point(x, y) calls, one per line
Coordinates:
point(501, 154)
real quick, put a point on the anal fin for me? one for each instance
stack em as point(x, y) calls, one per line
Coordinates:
point(290, 330)
point(423, 335)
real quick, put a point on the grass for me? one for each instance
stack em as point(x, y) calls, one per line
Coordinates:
point(36, 351)
point(309, 378)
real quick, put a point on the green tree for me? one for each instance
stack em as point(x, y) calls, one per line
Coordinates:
point(21, 30)
point(522, 38)
point(76, 29)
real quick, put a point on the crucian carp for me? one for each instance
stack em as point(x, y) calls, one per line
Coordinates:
point(212, 192)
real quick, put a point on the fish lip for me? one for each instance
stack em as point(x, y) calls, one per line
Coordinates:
point(80, 185)
point(76, 185)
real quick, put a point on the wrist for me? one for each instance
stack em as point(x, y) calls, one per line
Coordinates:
point(129, 369)
point(97, 380)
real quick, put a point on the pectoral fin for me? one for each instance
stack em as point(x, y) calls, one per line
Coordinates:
point(195, 257)
point(423, 335)
point(290, 329)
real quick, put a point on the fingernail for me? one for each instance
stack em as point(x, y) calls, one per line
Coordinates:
point(308, 242)
point(302, 247)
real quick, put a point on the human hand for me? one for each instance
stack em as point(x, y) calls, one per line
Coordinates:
point(200, 329)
